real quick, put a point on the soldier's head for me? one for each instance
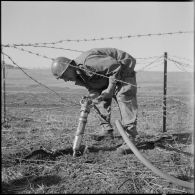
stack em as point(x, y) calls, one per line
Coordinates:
point(62, 68)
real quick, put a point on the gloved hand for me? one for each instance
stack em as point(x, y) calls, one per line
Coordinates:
point(93, 95)
point(106, 94)
point(97, 97)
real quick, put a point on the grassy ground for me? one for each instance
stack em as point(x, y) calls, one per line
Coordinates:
point(38, 118)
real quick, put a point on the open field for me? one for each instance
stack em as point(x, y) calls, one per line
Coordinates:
point(38, 117)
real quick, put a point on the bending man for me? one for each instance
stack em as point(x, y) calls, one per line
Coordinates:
point(99, 70)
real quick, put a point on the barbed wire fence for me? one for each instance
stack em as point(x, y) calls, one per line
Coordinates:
point(100, 39)
point(181, 63)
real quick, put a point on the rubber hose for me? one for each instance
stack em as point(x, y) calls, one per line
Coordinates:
point(147, 163)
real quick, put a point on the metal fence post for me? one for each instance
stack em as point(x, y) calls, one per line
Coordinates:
point(165, 93)
point(3, 98)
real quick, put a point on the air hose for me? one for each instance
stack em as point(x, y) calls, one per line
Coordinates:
point(147, 163)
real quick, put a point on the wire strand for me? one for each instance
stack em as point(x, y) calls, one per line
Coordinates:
point(30, 52)
point(104, 38)
point(61, 48)
point(181, 58)
point(101, 75)
point(61, 98)
point(179, 62)
point(52, 47)
point(37, 54)
point(146, 66)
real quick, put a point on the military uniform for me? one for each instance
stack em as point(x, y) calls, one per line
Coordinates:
point(115, 64)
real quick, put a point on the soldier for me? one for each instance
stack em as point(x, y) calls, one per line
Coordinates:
point(114, 65)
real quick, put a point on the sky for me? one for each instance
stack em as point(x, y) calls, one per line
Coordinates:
point(42, 21)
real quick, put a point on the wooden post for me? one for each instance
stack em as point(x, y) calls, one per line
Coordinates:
point(165, 93)
point(3, 101)
point(2, 95)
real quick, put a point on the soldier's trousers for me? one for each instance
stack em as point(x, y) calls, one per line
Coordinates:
point(125, 96)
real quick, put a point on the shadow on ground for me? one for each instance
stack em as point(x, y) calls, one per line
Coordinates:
point(17, 185)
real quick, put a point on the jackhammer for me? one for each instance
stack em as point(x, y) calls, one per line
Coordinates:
point(86, 105)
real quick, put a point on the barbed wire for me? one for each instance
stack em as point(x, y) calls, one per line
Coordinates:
point(52, 47)
point(30, 52)
point(145, 61)
point(80, 51)
point(146, 66)
point(151, 63)
point(52, 59)
point(68, 49)
point(179, 62)
point(147, 58)
point(76, 67)
point(104, 38)
point(182, 69)
point(181, 66)
point(43, 56)
point(61, 98)
point(70, 65)
point(141, 63)
point(101, 75)
point(37, 54)
point(157, 66)
point(181, 58)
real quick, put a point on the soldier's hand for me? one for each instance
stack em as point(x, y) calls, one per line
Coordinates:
point(97, 100)
point(93, 95)
point(106, 94)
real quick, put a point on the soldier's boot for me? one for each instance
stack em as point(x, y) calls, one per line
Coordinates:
point(124, 148)
point(103, 135)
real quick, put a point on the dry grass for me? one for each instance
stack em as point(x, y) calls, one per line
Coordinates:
point(40, 120)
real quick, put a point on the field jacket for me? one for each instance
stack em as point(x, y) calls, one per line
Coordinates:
point(109, 62)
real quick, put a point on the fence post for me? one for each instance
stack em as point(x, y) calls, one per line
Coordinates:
point(3, 101)
point(165, 93)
